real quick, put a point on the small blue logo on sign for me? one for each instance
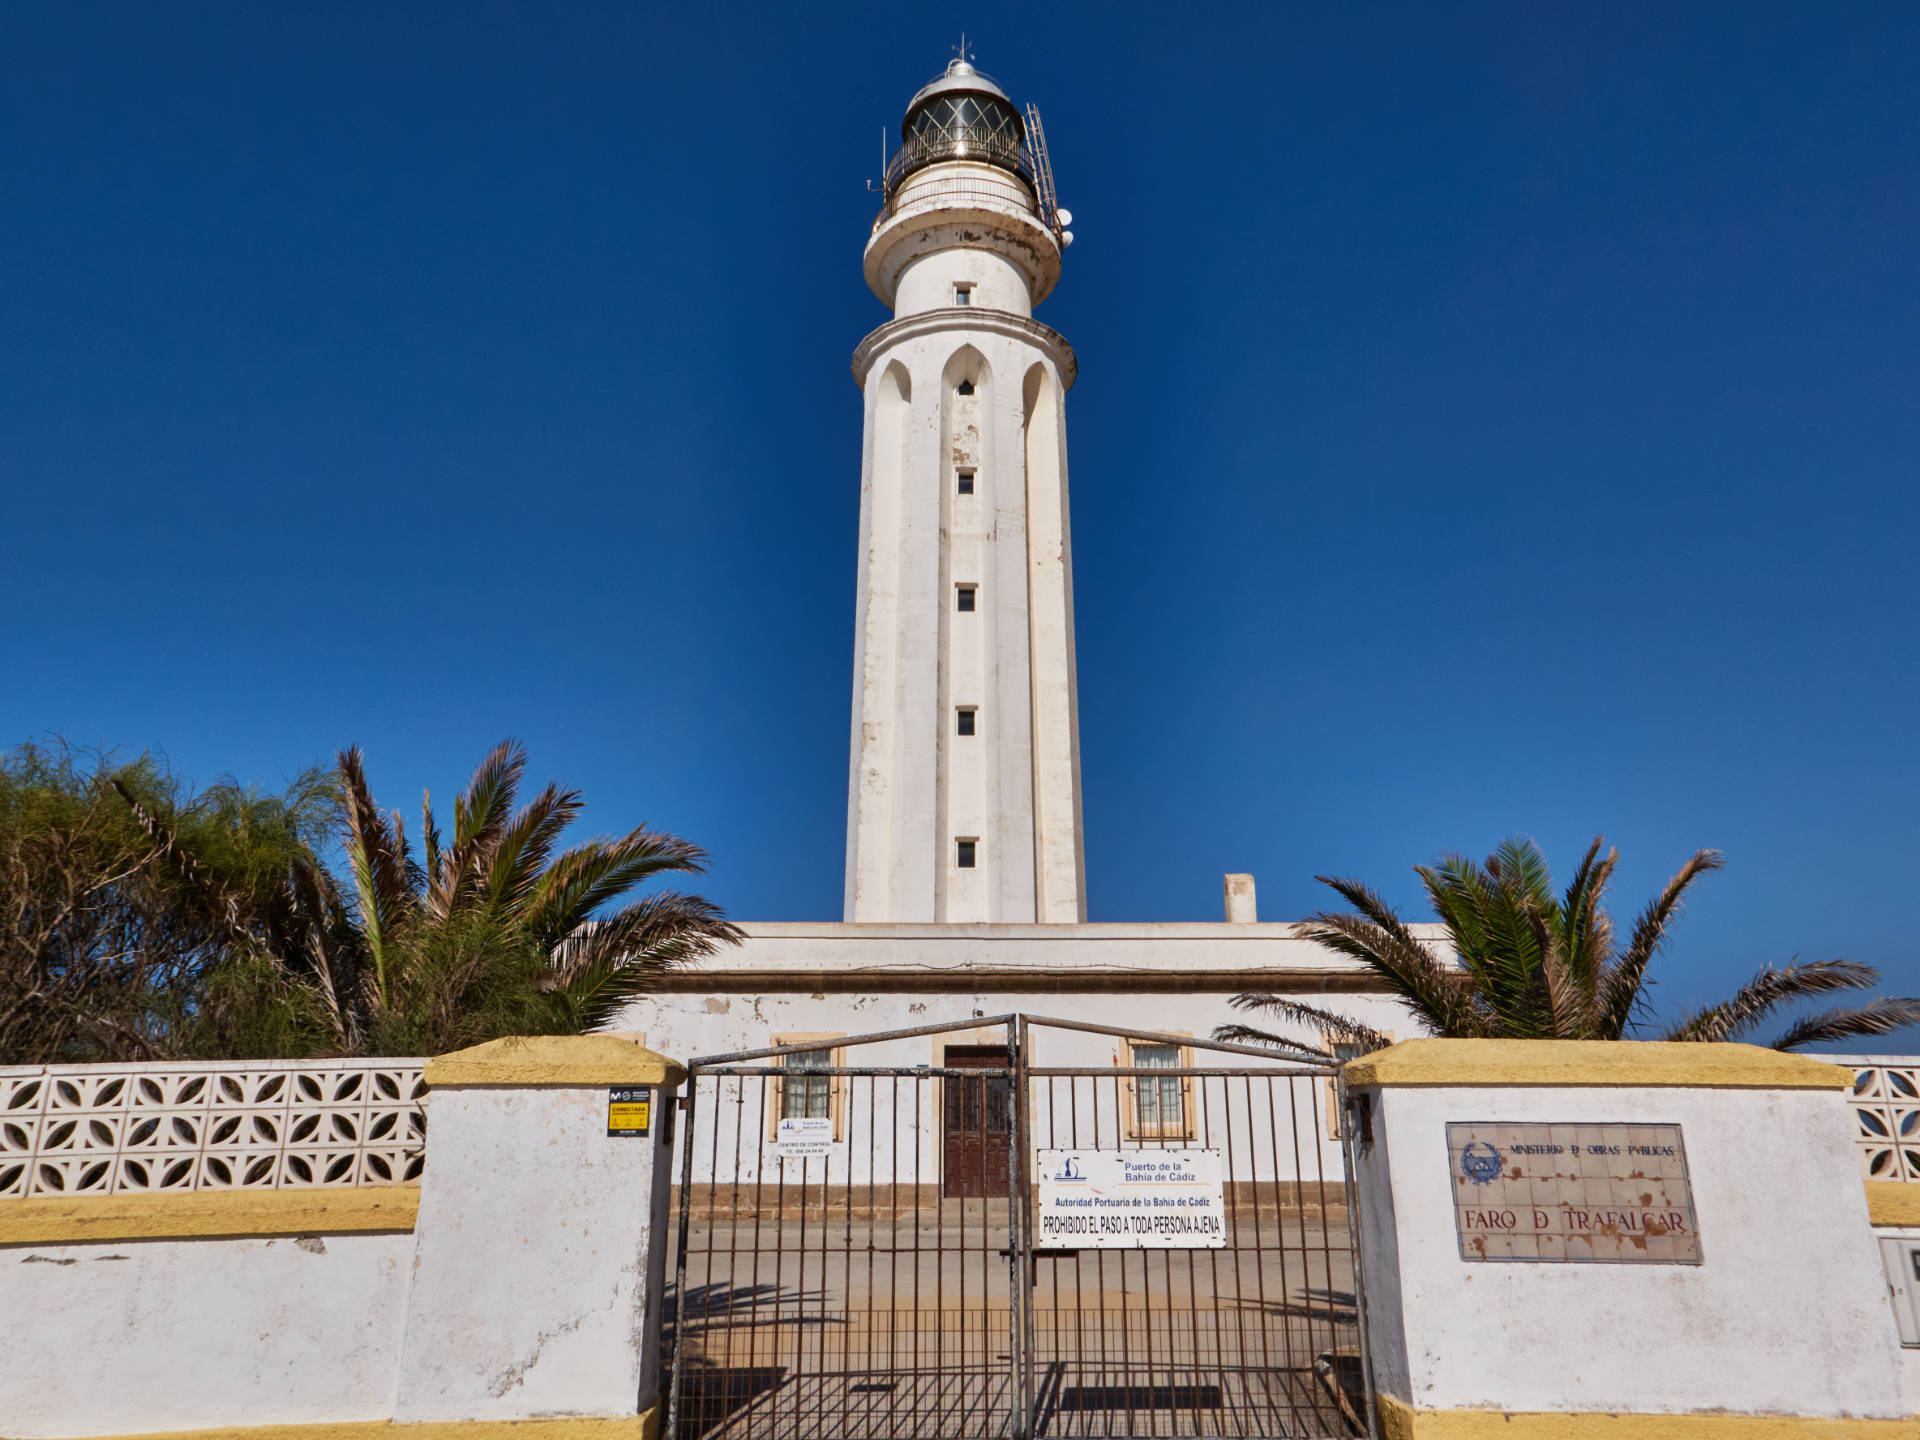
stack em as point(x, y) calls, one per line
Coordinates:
point(1480, 1162)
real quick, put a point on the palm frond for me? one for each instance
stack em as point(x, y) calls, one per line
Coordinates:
point(1495, 943)
point(330, 949)
point(1522, 870)
point(1379, 939)
point(429, 839)
point(1452, 886)
point(481, 811)
point(1586, 929)
point(516, 864)
point(1569, 1006)
point(1876, 1017)
point(1767, 992)
point(599, 872)
point(1343, 1028)
point(1620, 995)
point(480, 814)
point(606, 964)
point(1248, 1035)
point(376, 852)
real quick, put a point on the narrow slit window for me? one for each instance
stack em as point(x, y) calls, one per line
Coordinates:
point(963, 720)
point(963, 854)
point(964, 597)
point(965, 387)
point(964, 481)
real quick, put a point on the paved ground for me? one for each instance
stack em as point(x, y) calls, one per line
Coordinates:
point(861, 1330)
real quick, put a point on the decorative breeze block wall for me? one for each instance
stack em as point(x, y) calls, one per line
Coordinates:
point(242, 1125)
point(1886, 1114)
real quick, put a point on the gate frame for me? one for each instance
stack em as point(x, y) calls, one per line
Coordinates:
point(1018, 1026)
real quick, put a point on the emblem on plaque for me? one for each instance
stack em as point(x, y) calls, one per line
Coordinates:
point(1481, 1163)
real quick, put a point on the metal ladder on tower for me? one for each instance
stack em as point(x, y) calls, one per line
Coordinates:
point(1043, 171)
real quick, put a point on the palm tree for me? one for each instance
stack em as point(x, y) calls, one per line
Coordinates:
point(498, 931)
point(1536, 966)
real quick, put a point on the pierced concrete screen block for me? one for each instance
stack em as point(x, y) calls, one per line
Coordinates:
point(1575, 1193)
point(1886, 1117)
point(249, 1125)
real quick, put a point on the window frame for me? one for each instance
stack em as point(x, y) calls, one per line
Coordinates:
point(1336, 1122)
point(966, 721)
point(972, 842)
point(963, 293)
point(776, 1103)
point(963, 480)
point(971, 605)
point(1130, 1126)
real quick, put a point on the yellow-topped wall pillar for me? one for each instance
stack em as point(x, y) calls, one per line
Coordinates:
point(1563, 1238)
point(540, 1253)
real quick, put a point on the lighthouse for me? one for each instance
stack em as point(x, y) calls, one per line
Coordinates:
point(963, 803)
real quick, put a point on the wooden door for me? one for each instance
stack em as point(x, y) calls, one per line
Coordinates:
point(978, 1126)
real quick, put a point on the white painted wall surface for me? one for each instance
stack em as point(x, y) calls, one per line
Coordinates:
point(972, 954)
point(144, 1335)
point(929, 282)
point(530, 1297)
point(1788, 1314)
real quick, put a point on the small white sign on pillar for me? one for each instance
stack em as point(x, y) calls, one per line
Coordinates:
point(1132, 1200)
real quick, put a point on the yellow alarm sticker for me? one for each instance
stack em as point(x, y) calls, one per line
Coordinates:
point(629, 1110)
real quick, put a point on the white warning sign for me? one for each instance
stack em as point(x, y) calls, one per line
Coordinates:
point(803, 1137)
point(1131, 1200)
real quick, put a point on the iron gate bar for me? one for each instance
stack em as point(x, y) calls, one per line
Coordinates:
point(1317, 1061)
point(1246, 1391)
point(913, 1032)
point(1349, 1156)
point(1020, 1278)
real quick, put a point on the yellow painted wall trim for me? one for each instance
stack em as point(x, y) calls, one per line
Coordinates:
point(1399, 1421)
point(1593, 1062)
point(521, 1060)
point(206, 1215)
point(644, 1426)
point(1893, 1202)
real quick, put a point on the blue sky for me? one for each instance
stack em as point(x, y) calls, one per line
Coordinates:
point(1491, 420)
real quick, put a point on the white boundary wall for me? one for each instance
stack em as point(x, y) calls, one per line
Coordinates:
point(142, 1335)
point(1787, 1315)
point(528, 1287)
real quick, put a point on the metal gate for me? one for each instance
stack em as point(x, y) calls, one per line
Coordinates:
point(895, 1287)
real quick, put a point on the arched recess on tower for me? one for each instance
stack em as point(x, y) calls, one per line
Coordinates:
point(872, 800)
point(1058, 847)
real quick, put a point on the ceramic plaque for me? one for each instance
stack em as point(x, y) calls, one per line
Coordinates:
point(1572, 1193)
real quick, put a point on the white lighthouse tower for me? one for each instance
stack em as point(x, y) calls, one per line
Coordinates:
point(964, 801)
